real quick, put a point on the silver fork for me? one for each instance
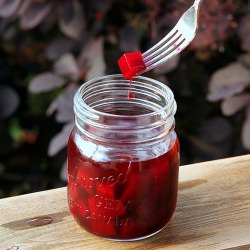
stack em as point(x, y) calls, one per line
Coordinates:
point(175, 41)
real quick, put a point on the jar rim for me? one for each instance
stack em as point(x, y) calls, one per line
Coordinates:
point(81, 106)
point(148, 117)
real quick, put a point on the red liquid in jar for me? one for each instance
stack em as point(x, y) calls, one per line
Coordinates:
point(131, 95)
point(122, 199)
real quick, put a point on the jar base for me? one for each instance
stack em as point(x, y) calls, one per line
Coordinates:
point(135, 239)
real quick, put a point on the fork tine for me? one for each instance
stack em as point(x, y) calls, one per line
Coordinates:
point(164, 47)
point(160, 43)
point(164, 56)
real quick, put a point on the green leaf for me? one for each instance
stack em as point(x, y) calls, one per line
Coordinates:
point(15, 129)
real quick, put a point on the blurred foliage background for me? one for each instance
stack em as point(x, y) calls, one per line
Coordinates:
point(49, 48)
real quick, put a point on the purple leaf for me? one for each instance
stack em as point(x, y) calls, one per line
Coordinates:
point(92, 59)
point(60, 140)
point(100, 6)
point(53, 106)
point(224, 92)
point(228, 81)
point(9, 7)
point(129, 39)
point(59, 47)
point(245, 60)
point(34, 14)
point(245, 132)
point(9, 101)
point(215, 130)
point(45, 82)
point(63, 105)
point(2, 2)
point(71, 18)
point(63, 172)
point(167, 66)
point(231, 105)
point(67, 66)
point(24, 7)
point(244, 32)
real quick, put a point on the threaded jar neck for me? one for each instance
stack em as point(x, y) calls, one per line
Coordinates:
point(105, 113)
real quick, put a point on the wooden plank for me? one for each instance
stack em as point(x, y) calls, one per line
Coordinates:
point(213, 212)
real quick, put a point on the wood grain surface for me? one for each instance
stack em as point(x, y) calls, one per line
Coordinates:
point(213, 212)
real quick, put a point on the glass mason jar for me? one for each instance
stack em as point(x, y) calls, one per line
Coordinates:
point(123, 157)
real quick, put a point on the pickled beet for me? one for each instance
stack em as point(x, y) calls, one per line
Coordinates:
point(138, 186)
point(122, 199)
point(131, 64)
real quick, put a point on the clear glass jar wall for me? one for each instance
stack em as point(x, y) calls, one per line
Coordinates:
point(123, 157)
